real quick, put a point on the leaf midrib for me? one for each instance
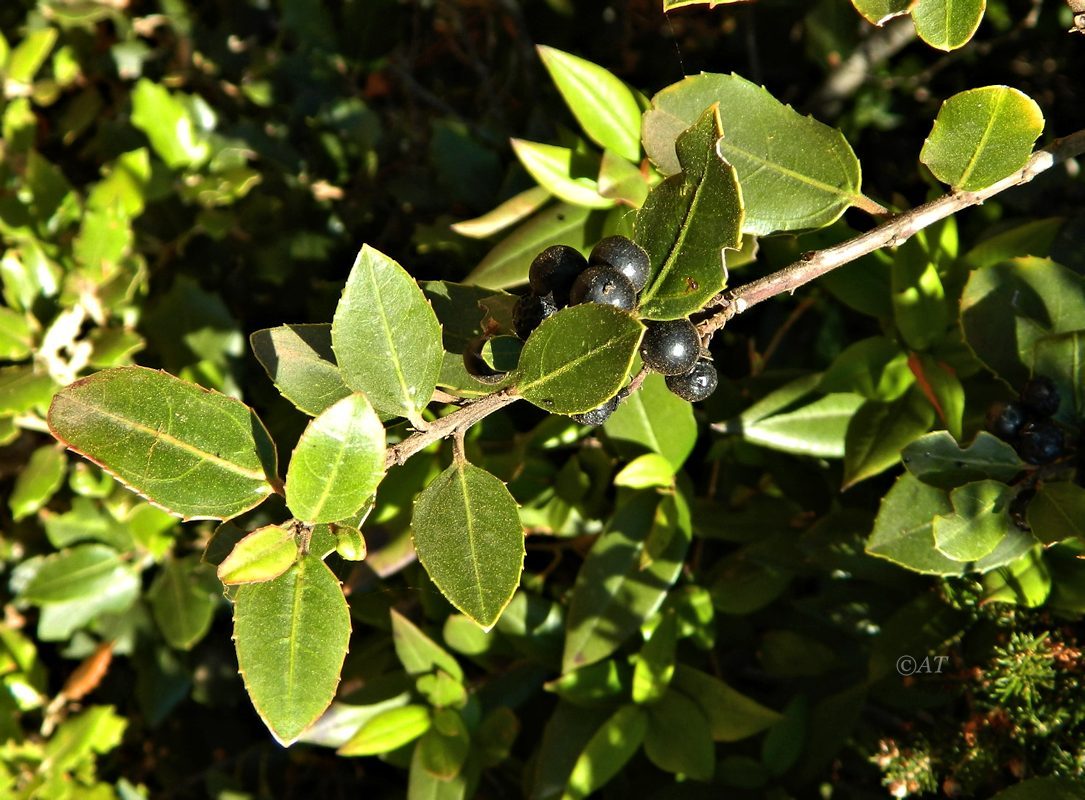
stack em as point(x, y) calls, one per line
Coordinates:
point(790, 173)
point(393, 351)
point(574, 363)
point(461, 474)
point(982, 144)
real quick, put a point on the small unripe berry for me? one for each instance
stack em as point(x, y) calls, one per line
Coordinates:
point(671, 347)
point(1040, 396)
point(606, 286)
point(695, 385)
point(623, 255)
point(1004, 420)
point(554, 271)
point(529, 312)
point(597, 416)
point(1040, 442)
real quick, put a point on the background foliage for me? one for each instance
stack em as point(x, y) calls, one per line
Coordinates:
point(702, 608)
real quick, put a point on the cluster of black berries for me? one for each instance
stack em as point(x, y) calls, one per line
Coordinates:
point(1027, 425)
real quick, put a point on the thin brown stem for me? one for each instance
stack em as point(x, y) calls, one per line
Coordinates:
point(460, 419)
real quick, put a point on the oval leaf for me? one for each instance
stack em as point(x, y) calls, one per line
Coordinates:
point(469, 538)
point(183, 599)
point(578, 358)
point(386, 338)
point(1057, 512)
point(654, 419)
point(947, 24)
point(194, 452)
point(38, 481)
point(795, 172)
point(904, 529)
point(879, 12)
point(604, 106)
point(562, 172)
point(300, 362)
point(937, 459)
point(981, 136)
point(76, 574)
point(686, 223)
point(388, 730)
point(291, 635)
point(616, 741)
point(978, 523)
point(263, 555)
point(338, 462)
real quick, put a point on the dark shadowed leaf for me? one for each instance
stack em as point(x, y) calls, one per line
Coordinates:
point(300, 362)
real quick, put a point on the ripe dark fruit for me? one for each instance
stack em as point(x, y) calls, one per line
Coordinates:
point(1004, 420)
point(554, 271)
point(671, 347)
point(529, 312)
point(623, 255)
point(1040, 442)
point(597, 416)
point(1040, 396)
point(476, 366)
point(695, 385)
point(606, 286)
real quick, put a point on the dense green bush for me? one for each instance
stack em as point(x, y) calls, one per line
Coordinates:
point(394, 520)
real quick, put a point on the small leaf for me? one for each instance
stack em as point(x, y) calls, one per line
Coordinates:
point(262, 555)
point(75, 574)
point(1057, 512)
point(169, 125)
point(937, 459)
point(679, 738)
point(614, 743)
point(919, 299)
point(904, 529)
point(194, 452)
point(510, 212)
point(349, 543)
point(578, 358)
point(979, 521)
point(183, 601)
point(686, 223)
point(981, 136)
point(654, 666)
point(645, 472)
point(795, 172)
point(654, 419)
point(878, 432)
point(291, 635)
point(622, 181)
point(604, 106)
point(338, 462)
point(594, 685)
point(563, 172)
point(28, 56)
point(418, 653)
point(942, 388)
point(300, 362)
point(1025, 582)
point(879, 12)
point(388, 731)
point(37, 481)
point(732, 716)
point(876, 368)
point(818, 428)
point(947, 24)
point(24, 387)
point(15, 337)
point(386, 337)
point(443, 749)
point(469, 538)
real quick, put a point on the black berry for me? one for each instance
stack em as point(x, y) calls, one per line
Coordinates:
point(1040, 396)
point(1004, 420)
point(671, 347)
point(597, 416)
point(623, 255)
point(476, 366)
point(529, 312)
point(1040, 442)
point(695, 385)
point(604, 285)
point(554, 271)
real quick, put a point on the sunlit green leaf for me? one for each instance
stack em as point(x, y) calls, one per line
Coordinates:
point(614, 743)
point(262, 555)
point(904, 530)
point(876, 368)
point(947, 24)
point(388, 730)
point(510, 212)
point(654, 419)
point(878, 12)
point(563, 172)
point(75, 574)
point(300, 362)
point(38, 481)
point(169, 125)
point(878, 432)
point(979, 520)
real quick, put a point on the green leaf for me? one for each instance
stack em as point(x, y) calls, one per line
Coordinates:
point(613, 594)
point(338, 462)
point(942, 388)
point(24, 387)
point(1033, 238)
point(1057, 512)
point(878, 432)
point(731, 715)
point(878, 12)
point(183, 599)
point(1006, 309)
point(469, 538)
point(646, 471)
point(654, 419)
point(510, 212)
point(418, 653)
point(1025, 582)
point(291, 635)
point(686, 223)
point(604, 106)
point(622, 181)
point(817, 428)
point(15, 336)
point(563, 172)
point(1062, 359)
point(981, 136)
point(938, 460)
point(37, 481)
point(388, 731)
point(795, 172)
point(507, 264)
point(28, 56)
point(443, 749)
point(349, 543)
point(679, 738)
point(979, 521)
point(75, 574)
point(947, 24)
point(386, 337)
point(919, 299)
point(169, 125)
point(300, 362)
point(99, 729)
point(904, 529)
point(260, 556)
point(578, 358)
point(876, 368)
point(196, 453)
point(597, 684)
point(423, 785)
point(608, 750)
point(654, 666)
